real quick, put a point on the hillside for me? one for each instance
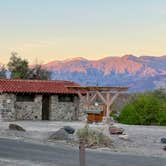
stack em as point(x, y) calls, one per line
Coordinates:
point(139, 73)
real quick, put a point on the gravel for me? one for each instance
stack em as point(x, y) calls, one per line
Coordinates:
point(141, 140)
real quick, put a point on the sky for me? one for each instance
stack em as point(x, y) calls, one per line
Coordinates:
point(46, 30)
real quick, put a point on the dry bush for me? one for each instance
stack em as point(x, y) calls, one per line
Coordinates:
point(93, 138)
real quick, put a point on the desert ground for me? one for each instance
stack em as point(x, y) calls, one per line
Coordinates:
point(142, 140)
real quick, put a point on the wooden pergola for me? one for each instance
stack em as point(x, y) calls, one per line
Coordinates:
point(103, 93)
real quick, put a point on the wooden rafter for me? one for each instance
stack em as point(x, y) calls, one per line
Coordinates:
point(93, 98)
point(80, 95)
point(97, 88)
point(101, 97)
point(92, 92)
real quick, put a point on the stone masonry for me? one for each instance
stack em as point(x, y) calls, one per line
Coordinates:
point(64, 110)
point(10, 109)
point(29, 110)
point(7, 108)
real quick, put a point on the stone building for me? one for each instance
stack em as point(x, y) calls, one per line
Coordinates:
point(38, 100)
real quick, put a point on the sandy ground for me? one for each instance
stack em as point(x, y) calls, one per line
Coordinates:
point(142, 140)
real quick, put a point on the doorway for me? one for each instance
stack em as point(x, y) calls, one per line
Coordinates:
point(45, 107)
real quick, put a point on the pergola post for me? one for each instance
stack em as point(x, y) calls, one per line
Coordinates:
point(93, 91)
point(108, 105)
point(88, 99)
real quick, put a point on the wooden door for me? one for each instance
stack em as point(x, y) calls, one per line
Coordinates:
point(45, 107)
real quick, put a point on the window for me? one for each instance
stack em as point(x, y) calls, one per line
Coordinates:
point(25, 97)
point(65, 98)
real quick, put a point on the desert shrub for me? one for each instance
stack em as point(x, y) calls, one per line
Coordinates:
point(93, 138)
point(161, 114)
point(147, 109)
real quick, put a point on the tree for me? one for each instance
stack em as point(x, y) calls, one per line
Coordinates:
point(3, 72)
point(18, 67)
point(148, 108)
point(37, 72)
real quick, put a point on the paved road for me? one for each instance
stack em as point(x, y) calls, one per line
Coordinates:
point(66, 156)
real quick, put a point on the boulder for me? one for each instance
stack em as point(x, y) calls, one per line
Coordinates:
point(61, 134)
point(115, 130)
point(16, 127)
point(164, 148)
point(69, 129)
point(163, 140)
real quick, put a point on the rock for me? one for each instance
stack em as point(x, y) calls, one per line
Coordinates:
point(124, 136)
point(69, 129)
point(164, 148)
point(115, 130)
point(16, 127)
point(61, 134)
point(163, 140)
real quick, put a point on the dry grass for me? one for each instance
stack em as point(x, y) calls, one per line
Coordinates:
point(93, 138)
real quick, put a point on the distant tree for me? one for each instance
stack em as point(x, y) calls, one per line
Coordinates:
point(148, 108)
point(38, 72)
point(3, 72)
point(18, 67)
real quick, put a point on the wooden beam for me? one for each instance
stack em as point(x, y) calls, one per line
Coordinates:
point(101, 97)
point(87, 100)
point(93, 98)
point(80, 95)
point(97, 88)
point(108, 97)
point(110, 103)
point(113, 98)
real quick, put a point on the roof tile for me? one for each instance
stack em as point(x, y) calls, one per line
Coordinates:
point(36, 86)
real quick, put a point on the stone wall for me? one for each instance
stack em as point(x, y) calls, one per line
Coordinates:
point(10, 109)
point(64, 110)
point(7, 110)
point(29, 110)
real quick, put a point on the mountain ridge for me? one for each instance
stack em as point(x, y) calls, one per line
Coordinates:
point(139, 73)
point(112, 71)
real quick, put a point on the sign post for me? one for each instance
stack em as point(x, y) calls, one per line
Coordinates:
point(82, 153)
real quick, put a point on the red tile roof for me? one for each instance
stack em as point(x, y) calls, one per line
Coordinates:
point(35, 86)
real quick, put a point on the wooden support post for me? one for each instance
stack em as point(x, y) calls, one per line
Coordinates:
point(113, 98)
point(108, 106)
point(82, 153)
point(110, 101)
point(87, 100)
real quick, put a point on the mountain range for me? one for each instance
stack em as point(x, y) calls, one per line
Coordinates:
point(139, 73)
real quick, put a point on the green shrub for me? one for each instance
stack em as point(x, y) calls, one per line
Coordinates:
point(147, 109)
point(161, 115)
point(93, 138)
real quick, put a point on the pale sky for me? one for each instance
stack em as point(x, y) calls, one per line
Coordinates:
point(58, 29)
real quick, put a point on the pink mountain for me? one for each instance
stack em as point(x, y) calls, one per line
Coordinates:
point(141, 73)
